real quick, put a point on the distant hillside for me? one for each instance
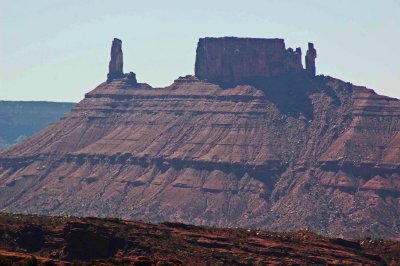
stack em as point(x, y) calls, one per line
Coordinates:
point(19, 120)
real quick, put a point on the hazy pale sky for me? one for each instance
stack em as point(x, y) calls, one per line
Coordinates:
point(58, 50)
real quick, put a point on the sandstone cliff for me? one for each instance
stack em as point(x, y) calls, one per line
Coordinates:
point(282, 152)
point(231, 61)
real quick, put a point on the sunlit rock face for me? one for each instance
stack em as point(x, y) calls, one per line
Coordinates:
point(284, 151)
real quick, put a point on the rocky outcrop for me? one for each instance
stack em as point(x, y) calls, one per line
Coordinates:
point(83, 241)
point(131, 79)
point(116, 66)
point(116, 62)
point(310, 59)
point(284, 154)
point(231, 60)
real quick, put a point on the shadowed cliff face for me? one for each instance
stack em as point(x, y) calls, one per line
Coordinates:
point(291, 92)
point(285, 152)
point(230, 61)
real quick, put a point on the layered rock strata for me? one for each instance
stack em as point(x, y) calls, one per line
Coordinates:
point(291, 152)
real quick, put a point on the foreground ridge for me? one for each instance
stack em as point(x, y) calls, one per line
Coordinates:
point(60, 240)
point(281, 150)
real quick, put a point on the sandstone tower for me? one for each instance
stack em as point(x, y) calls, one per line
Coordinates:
point(310, 59)
point(116, 62)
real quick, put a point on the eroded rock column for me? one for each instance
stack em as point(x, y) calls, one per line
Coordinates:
point(115, 67)
point(310, 59)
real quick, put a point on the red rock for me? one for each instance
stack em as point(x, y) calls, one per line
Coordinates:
point(116, 62)
point(119, 242)
point(231, 60)
point(291, 153)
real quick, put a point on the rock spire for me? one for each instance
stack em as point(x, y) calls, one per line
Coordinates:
point(310, 59)
point(116, 63)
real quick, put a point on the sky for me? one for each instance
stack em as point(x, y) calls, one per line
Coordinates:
point(58, 50)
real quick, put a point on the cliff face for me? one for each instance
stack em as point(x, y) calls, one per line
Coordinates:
point(287, 152)
point(231, 60)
